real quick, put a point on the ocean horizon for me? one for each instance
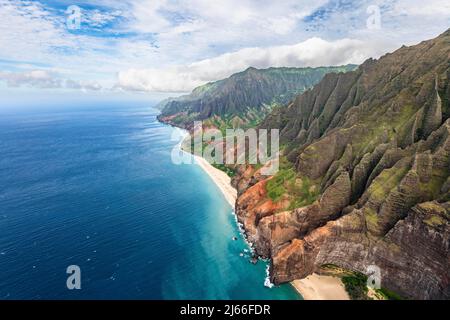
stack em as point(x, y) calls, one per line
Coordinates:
point(93, 185)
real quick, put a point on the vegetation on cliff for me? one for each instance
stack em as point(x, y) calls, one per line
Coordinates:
point(376, 144)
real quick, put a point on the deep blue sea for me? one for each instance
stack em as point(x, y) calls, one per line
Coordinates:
point(94, 186)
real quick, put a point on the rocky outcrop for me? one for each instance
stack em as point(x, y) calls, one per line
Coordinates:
point(376, 143)
point(268, 228)
point(413, 255)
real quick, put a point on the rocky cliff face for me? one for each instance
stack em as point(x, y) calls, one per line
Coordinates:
point(375, 143)
point(244, 98)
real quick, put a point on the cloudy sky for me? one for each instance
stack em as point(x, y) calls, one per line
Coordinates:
point(163, 46)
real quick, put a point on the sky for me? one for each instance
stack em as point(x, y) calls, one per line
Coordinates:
point(164, 48)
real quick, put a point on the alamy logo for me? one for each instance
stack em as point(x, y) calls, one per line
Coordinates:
point(73, 20)
point(373, 277)
point(374, 20)
point(74, 280)
point(238, 146)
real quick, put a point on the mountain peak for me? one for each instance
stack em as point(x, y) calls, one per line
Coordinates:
point(248, 95)
point(251, 69)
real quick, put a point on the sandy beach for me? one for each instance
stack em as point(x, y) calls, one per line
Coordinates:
point(313, 287)
point(220, 178)
point(318, 287)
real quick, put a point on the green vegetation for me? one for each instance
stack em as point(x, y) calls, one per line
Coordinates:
point(245, 98)
point(330, 267)
point(388, 294)
point(380, 127)
point(251, 117)
point(276, 187)
point(303, 192)
point(182, 118)
point(371, 218)
point(432, 206)
point(229, 171)
point(386, 181)
point(356, 286)
point(439, 176)
point(434, 221)
point(300, 191)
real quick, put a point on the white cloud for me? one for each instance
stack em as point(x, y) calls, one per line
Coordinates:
point(419, 8)
point(30, 34)
point(44, 79)
point(167, 45)
point(245, 16)
point(313, 52)
point(36, 78)
point(96, 18)
point(83, 85)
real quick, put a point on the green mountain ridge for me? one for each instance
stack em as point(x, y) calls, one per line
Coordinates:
point(243, 99)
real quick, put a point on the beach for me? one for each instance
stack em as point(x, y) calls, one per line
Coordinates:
point(318, 287)
point(220, 178)
point(313, 287)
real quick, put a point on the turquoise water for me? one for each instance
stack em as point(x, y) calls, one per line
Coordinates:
point(94, 186)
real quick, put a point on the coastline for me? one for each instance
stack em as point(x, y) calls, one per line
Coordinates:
point(313, 287)
point(220, 178)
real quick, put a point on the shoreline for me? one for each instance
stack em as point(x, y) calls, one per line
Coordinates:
point(321, 287)
point(220, 178)
point(314, 286)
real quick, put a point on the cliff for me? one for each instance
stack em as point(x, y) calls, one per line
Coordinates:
point(365, 175)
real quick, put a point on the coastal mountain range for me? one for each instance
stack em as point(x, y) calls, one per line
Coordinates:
point(368, 155)
point(243, 99)
point(364, 177)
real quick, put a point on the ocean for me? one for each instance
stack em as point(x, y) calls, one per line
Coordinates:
point(94, 186)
